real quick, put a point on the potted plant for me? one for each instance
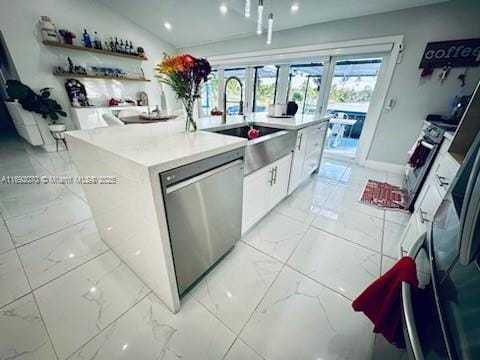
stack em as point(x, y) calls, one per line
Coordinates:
point(37, 103)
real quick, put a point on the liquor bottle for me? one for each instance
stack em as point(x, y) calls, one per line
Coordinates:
point(132, 49)
point(86, 39)
point(112, 45)
point(97, 42)
point(116, 45)
point(106, 46)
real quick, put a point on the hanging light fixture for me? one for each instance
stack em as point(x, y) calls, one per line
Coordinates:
point(247, 8)
point(270, 28)
point(260, 17)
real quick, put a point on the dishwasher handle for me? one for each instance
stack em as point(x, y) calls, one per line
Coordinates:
point(180, 185)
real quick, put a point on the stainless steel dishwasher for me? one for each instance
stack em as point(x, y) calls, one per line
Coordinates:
point(203, 203)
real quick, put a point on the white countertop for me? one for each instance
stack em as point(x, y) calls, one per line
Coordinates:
point(167, 145)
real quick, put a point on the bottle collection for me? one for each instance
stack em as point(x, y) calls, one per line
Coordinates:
point(113, 44)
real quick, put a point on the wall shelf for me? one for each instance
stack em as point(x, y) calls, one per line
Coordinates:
point(92, 50)
point(101, 77)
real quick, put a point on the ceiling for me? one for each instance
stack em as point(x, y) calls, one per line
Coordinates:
point(196, 22)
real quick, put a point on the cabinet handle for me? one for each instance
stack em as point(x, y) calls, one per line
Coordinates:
point(441, 180)
point(423, 220)
point(300, 142)
point(272, 170)
point(275, 176)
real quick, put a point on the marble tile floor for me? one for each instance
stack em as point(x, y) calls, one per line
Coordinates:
point(283, 292)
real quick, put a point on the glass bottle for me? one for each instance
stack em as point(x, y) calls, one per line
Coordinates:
point(86, 39)
point(116, 45)
point(97, 42)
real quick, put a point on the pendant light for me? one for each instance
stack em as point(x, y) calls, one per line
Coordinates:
point(247, 8)
point(270, 29)
point(260, 17)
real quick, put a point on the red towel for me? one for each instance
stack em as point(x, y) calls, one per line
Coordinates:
point(381, 301)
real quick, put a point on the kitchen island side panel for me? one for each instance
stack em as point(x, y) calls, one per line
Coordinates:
point(129, 216)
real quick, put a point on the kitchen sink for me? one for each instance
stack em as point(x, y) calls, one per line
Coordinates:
point(242, 131)
point(271, 144)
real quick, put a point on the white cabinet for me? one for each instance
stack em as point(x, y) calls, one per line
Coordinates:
point(264, 189)
point(307, 154)
point(255, 196)
point(412, 232)
point(281, 176)
point(296, 175)
point(426, 206)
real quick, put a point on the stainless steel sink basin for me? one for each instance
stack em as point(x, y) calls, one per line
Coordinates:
point(271, 145)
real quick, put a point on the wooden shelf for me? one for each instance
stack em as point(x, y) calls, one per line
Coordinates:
point(101, 77)
point(92, 50)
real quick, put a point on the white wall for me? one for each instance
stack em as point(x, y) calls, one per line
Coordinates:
point(397, 128)
point(35, 62)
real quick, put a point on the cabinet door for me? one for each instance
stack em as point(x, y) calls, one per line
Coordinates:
point(316, 138)
point(412, 232)
point(281, 176)
point(296, 176)
point(256, 188)
point(429, 202)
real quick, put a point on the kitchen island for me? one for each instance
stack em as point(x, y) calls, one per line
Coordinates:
point(131, 214)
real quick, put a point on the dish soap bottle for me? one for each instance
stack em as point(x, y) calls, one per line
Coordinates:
point(86, 39)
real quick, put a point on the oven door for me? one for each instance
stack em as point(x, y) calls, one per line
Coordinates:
point(421, 325)
point(414, 178)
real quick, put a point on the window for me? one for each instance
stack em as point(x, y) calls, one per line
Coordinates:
point(210, 93)
point(235, 91)
point(304, 86)
point(265, 90)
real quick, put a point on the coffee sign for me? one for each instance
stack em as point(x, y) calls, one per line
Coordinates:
point(456, 53)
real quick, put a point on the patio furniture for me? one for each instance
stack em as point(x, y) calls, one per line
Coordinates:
point(337, 132)
point(59, 136)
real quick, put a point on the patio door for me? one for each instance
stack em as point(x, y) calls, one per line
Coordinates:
point(349, 92)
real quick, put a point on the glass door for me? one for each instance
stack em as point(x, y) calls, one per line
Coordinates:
point(304, 86)
point(349, 95)
point(265, 87)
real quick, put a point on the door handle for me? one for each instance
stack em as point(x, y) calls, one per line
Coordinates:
point(423, 219)
point(300, 142)
point(441, 180)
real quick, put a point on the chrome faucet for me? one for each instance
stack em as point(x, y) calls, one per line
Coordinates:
point(240, 111)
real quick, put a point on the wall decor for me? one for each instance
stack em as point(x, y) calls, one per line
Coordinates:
point(454, 53)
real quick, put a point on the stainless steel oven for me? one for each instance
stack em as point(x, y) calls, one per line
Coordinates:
point(428, 144)
point(203, 203)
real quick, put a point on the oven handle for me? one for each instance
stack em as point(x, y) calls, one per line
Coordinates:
point(408, 308)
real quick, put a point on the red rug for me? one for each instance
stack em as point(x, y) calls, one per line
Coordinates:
point(383, 195)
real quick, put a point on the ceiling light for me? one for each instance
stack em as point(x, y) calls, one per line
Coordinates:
point(167, 25)
point(223, 9)
point(270, 28)
point(294, 8)
point(259, 17)
point(247, 8)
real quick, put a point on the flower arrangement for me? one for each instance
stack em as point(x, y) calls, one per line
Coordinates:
point(185, 75)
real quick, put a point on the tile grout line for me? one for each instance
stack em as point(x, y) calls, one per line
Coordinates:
point(35, 300)
point(350, 241)
point(110, 323)
point(47, 235)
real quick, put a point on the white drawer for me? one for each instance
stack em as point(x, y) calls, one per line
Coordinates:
point(316, 138)
point(444, 172)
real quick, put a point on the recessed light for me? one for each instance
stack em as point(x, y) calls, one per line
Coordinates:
point(294, 8)
point(167, 25)
point(223, 9)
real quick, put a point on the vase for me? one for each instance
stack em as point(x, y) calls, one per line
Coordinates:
point(190, 124)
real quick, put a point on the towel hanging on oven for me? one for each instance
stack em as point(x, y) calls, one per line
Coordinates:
point(420, 154)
